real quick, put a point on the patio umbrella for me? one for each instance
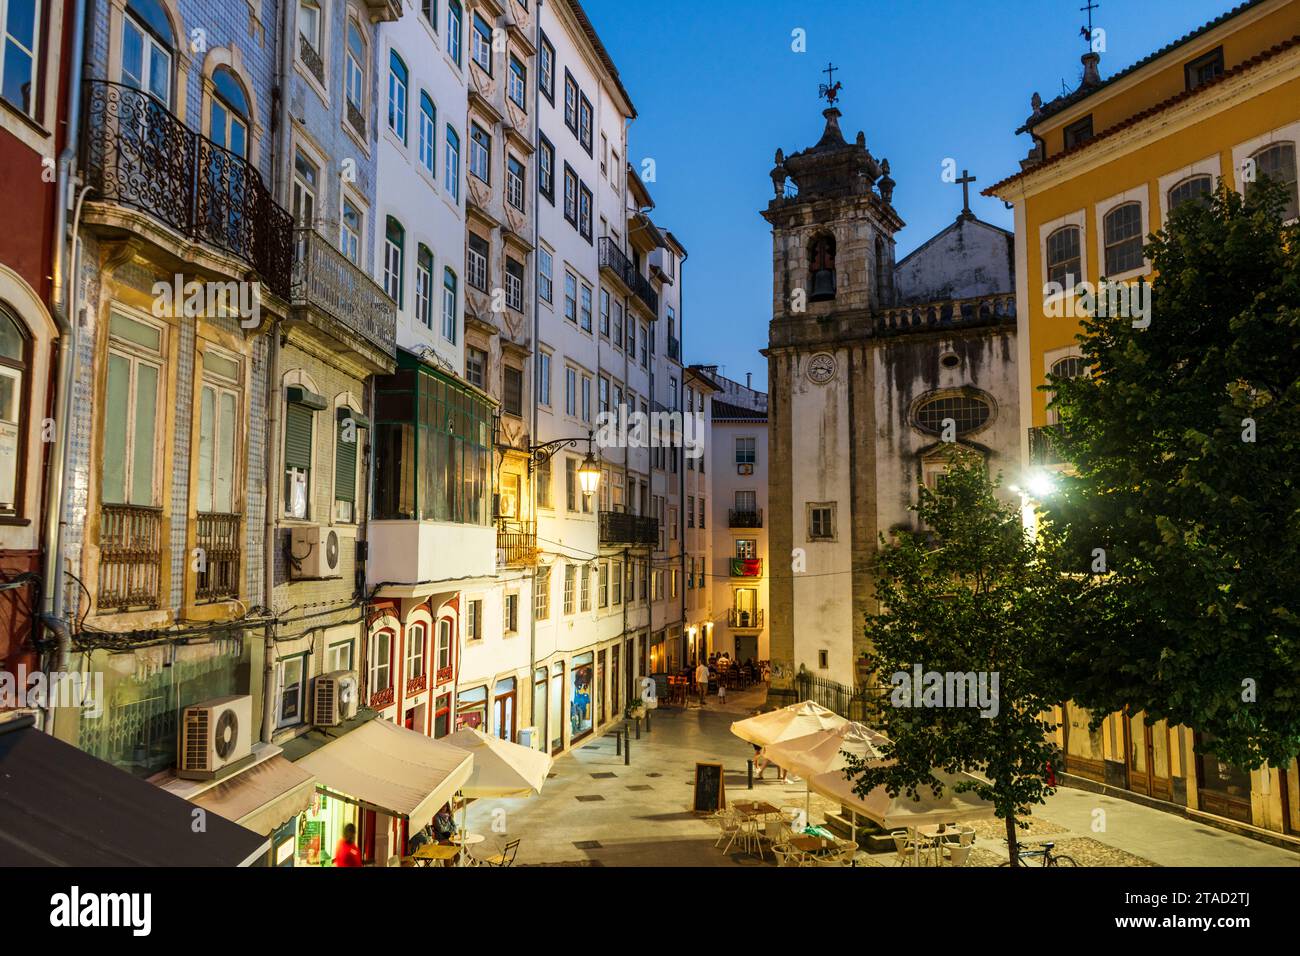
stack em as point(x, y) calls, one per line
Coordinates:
point(501, 768)
point(824, 751)
point(892, 813)
point(797, 720)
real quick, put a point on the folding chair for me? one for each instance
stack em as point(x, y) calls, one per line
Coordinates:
point(505, 858)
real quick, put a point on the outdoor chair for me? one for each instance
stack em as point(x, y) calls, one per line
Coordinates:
point(785, 854)
point(728, 822)
point(904, 848)
point(958, 855)
point(962, 838)
point(505, 858)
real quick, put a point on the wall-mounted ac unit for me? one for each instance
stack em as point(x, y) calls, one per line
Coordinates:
point(744, 469)
point(334, 698)
point(316, 551)
point(214, 735)
point(528, 737)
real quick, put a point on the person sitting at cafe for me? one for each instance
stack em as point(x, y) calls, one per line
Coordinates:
point(444, 825)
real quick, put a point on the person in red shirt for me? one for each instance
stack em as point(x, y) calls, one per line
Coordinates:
point(347, 853)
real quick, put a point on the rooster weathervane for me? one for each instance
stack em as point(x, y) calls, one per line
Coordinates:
point(830, 90)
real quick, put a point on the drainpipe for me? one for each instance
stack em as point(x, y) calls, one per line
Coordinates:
point(62, 282)
point(681, 471)
point(269, 531)
point(532, 436)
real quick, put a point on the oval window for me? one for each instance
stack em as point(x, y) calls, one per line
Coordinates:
point(967, 412)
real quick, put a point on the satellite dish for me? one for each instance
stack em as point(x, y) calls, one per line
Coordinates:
point(227, 734)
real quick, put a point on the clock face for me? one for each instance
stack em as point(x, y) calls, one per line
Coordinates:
point(822, 368)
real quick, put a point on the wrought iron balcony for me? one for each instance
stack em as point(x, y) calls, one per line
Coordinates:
point(326, 280)
point(1043, 445)
point(517, 543)
point(745, 619)
point(130, 558)
point(746, 567)
point(615, 263)
point(752, 518)
point(218, 537)
point(136, 153)
point(307, 53)
point(618, 527)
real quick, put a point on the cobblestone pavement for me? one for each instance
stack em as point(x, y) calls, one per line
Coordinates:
point(598, 810)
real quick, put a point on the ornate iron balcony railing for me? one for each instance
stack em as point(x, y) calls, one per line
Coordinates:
point(612, 258)
point(517, 542)
point(307, 53)
point(744, 619)
point(130, 558)
point(327, 280)
point(617, 527)
point(745, 519)
point(136, 153)
point(218, 536)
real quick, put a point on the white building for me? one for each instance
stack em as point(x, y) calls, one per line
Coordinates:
point(739, 571)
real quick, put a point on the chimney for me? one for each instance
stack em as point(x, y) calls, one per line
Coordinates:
point(1091, 75)
point(749, 380)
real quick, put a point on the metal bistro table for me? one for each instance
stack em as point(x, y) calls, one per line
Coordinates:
point(436, 853)
point(467, 840)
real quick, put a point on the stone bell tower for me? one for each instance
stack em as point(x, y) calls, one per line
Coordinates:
point(833, 227)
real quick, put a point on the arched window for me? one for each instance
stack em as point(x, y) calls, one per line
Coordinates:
point(428, 133)
point(1123, 234)
point(394, 251)
point(147, 46)
point(354, 72)
point(1071, 366)
point(398, 77)
point(1064, 263)
point(1192, 189)
point(381, 662)
point(229, 117)
point(13, 385)
point(416, 639)
point(451, 166)
point(449, 305)
point(424, 285)
point(19, 38)
point(1276, 162)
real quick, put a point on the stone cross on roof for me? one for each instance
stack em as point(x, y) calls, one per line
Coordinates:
point(965, 180)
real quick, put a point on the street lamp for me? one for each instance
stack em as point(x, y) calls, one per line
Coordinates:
point(588, 471)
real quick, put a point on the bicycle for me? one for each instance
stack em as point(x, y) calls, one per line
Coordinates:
point(1049, 858)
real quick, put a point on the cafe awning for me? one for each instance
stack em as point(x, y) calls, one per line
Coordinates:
point(60, 806)
point(263, 797)
point(388, 768)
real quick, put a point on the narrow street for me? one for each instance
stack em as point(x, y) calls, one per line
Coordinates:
point(598, 811)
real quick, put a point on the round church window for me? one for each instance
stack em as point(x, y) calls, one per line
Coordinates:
point(967, 412)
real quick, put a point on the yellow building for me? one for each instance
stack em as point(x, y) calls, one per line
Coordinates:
point(1108, 162)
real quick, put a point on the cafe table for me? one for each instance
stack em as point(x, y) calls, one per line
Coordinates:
point(933, 835)
point(813, 845)
point(754, 808)
point(435, 853)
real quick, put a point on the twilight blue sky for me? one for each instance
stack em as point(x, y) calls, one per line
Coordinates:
point(718, 89)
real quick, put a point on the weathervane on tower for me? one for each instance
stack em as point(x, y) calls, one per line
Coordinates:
point(1086, 32)
point(830, 90)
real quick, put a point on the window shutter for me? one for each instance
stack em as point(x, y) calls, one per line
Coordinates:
point(345, 464)
point(297, 437)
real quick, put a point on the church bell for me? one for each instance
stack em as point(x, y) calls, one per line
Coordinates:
point(823, 286)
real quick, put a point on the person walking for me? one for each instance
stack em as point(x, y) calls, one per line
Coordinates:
point(347, 853)
point(702, 680)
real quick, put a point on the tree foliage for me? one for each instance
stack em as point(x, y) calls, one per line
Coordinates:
point(975, 594)
point(1185, 445)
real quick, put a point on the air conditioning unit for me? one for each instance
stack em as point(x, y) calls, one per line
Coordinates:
point(334, 698)
point(744, 469)
point(215, 734)
point(315, 551)
point(528, 737)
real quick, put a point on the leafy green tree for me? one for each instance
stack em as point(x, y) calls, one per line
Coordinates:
point(975, 593)
point(1185, 445)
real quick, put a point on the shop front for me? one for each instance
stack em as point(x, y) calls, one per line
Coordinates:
point(321, 827)
point(581, 697)
point(471, 708)
point(504, 699)
point(555, 719)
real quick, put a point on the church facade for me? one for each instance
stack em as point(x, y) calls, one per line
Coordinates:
point(879, 371)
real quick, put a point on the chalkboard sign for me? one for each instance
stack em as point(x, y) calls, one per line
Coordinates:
point(710, 791)
point(661, 687)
